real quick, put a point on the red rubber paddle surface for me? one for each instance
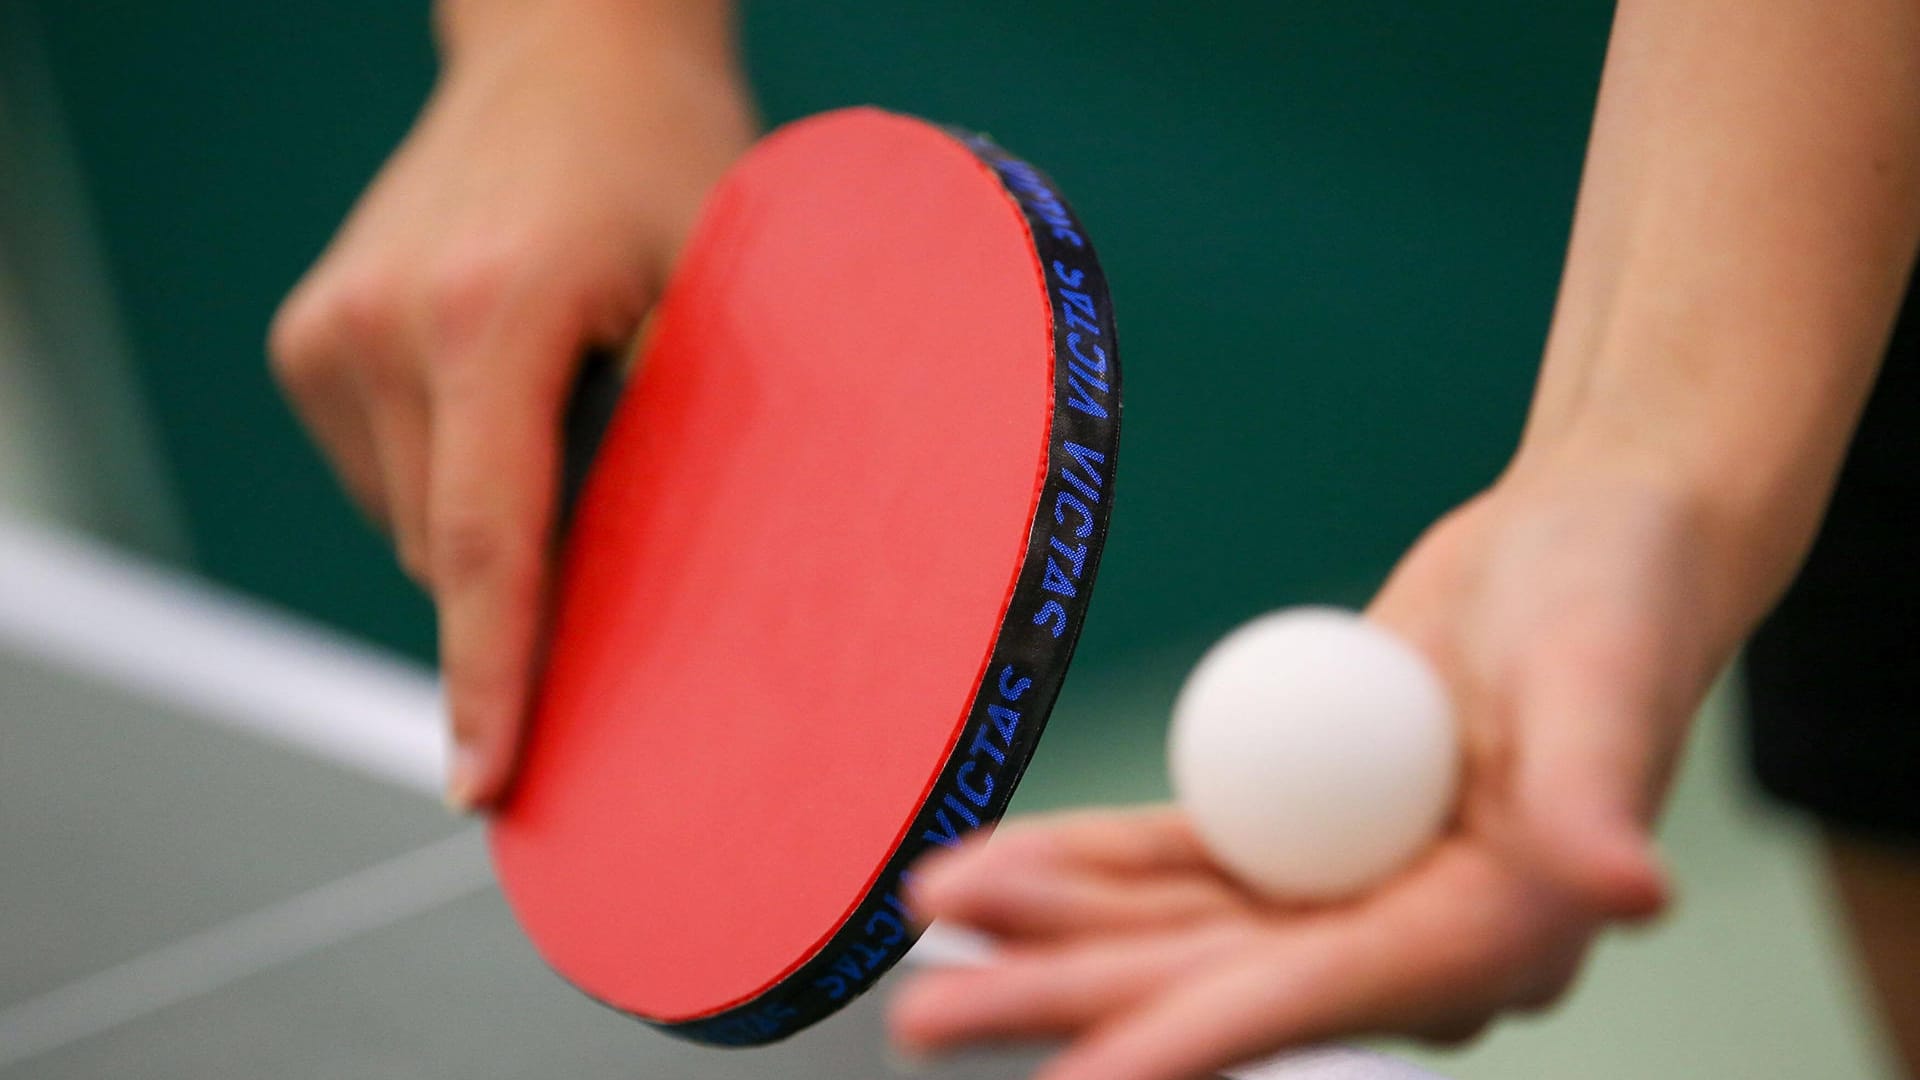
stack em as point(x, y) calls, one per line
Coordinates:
point(787, 568)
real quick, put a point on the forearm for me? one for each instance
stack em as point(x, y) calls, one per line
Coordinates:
point(1746, 224)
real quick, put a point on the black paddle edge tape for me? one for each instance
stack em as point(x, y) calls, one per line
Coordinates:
point(1031, 651)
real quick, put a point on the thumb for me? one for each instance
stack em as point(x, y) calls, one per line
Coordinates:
point(1595, 750)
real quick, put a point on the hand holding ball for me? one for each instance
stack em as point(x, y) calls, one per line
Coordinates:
point(1315, 753)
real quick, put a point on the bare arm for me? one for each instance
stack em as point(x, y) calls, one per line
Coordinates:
point(1750, 209)
point(1746, 226)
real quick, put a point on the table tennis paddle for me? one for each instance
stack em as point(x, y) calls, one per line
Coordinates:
point(822, 580)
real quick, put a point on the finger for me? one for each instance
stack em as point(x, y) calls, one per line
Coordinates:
point(322, 394)
point(1227, 1018)
point(1047, 993)
point(1130, 840)
point(1305, 988)
point(337, 419)
point(1045, 900)
point(1152, 839)
point(1077, 873)
point(493, 478)
point(398, 419)
point(1434, 957)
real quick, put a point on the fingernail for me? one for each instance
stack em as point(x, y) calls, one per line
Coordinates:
point(462, 792)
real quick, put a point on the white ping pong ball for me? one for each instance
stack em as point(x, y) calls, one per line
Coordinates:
point(1314, 752)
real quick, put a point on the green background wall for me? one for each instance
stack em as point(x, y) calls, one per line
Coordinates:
point(1333, 232)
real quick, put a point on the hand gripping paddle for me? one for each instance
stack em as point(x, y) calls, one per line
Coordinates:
point(823, 577)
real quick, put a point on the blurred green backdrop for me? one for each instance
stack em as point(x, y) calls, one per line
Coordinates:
point(1333, 232)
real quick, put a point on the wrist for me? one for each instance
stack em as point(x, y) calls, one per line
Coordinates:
point(1750, 505)
point(700, 31)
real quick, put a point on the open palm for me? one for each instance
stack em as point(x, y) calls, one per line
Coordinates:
point(1573, 630)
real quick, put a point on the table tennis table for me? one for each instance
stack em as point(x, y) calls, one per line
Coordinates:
point(222, 857)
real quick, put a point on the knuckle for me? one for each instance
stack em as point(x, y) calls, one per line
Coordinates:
point(296, 345)
point(469, 550)
point(350, 317)
point(386, 374)
point(367, 308)
point(467, 287)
